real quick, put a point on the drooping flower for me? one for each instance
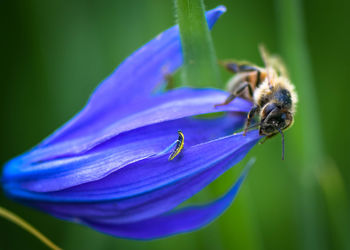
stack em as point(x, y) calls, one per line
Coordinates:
point(108, 167)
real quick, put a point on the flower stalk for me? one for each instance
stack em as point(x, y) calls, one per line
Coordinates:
point(26, 226)
point(200, 66)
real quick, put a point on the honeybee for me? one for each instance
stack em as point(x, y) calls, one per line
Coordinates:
point(271, 91)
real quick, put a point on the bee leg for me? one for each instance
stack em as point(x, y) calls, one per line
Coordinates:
point(236, 93)
point(229, 99)
point(250, 116)
point(267, 137)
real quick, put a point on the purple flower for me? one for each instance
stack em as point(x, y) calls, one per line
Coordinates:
point(108, 166)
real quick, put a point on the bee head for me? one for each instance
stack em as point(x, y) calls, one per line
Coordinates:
point(274, 119)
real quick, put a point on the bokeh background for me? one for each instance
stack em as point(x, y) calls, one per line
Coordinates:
point(54, 53)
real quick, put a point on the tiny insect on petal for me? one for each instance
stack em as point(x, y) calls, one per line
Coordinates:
point(179, 146)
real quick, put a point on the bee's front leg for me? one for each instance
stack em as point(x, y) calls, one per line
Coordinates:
point(266, 138)
point(253, 111)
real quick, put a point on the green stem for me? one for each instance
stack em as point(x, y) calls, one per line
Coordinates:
point(200, 63)
point(26, 226)
point(307, 120)
point(333, 186)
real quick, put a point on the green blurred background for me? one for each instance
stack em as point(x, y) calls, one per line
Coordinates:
point(54, 53)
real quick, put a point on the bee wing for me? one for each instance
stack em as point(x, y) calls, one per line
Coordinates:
point(277, 63)
point(264, 55)
point(236, 66)
point(272, 62)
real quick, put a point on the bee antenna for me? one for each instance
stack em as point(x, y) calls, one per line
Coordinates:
point(279, 130)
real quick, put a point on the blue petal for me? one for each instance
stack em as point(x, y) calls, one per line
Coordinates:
point(141, 176)
point(172, 105)
point(83, 168)
point(143, 206)
point(132, 82)
point(180, 221)
point(104, 166)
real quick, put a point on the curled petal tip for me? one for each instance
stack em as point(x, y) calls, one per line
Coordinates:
point(221, 8)
point(214, 14)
